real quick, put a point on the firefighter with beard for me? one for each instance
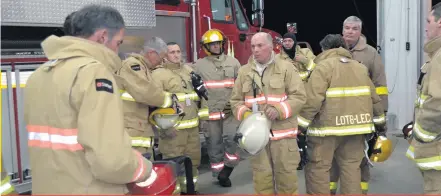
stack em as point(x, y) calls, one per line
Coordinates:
point(218, 71)
point(305, 65)
point(174, 76)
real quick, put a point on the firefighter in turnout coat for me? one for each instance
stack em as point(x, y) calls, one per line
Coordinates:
point(218, 71)
point(139, 92)
point(174, 76)
point(368, 56)
point(425, 145)
point(342, 103)
point(305, 64)
point(274, 86)
point(74, 113)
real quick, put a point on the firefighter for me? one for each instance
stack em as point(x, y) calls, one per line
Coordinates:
point(338, 132)
point(73, 112)
point(305, 65)
point(425, 144)
point(6, 188)
point(367, 55)
point(174, 76)
point(67, 29)
point(218, 71)
point(271, 85)
point(140, 92)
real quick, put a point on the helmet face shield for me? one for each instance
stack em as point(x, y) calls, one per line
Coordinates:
point(253, 133)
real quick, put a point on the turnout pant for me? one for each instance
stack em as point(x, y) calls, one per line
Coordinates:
point(222, 149)
point(141, 141)
point(186, 142)
point(365, 176)
point(274, 168)
point(348, 153)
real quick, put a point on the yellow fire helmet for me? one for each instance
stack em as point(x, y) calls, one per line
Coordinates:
point(164, 118)
point(211, 36)
point(380, 149)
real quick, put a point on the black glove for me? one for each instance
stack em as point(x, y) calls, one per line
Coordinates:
point(407, 129)
point(381, 129)
point(303, 130)
point(175, 105)
point(198, 85)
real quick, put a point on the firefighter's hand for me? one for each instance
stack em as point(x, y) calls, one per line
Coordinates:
point(381, 129)
point(301, 58)
point(271, 112)
point(407, 129)
point(303, 130)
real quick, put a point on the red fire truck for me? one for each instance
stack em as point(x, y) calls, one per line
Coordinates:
point(181, 21)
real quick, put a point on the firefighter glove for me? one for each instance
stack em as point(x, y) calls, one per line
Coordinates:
point(303, 130)
point(198, 85)
point(381, 129)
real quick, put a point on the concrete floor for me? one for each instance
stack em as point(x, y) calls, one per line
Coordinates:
point(398, 175)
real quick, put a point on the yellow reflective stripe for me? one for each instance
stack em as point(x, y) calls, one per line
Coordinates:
point(333, 186)
point(348, 91)
point(183, 96)
point(311, 65)
point(187, 124)
point(126, 96)
point(364, 186)
point(142, 142)
point(304, 75)
point(423, 134)
point(177, 190)
point(420, 101)
point(382, 90)
point(425, 163)
point(379, 119)
point(303, 121)
point(167, 100)
point(341, 131)
point(6, 187)
point(203, 113)
point(409, 153)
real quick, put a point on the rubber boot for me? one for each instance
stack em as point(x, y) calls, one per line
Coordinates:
point(224, 176)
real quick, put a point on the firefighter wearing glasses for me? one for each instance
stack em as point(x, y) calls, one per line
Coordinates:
point(218, 71)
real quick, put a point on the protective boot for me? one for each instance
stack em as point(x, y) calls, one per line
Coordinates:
point(224, 176)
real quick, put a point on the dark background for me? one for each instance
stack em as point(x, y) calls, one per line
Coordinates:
point(317, 18)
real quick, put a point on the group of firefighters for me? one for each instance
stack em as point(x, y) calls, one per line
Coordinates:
point(92, 118)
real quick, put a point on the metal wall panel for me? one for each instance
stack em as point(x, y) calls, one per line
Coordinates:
point(136, 13)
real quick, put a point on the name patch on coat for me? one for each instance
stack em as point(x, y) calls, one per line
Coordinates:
point(353, 119)
point(136, 67)
point(104, 85)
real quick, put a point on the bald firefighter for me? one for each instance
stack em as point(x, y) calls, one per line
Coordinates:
point(140, 92)
point(341, 105)
point(6, 188)
point(305, 64)
point(74, 115)
point(274, 86)
point(174, 76)
point(218, 71)
point(425, 138)
point(368, 56)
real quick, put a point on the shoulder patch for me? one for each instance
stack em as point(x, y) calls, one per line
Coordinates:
point(344, 60)
point(136, 67)
point(104, 85)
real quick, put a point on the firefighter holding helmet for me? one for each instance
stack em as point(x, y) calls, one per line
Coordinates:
point(270, 88)
point(218, 71)
point(174, 76)
point(338, 132)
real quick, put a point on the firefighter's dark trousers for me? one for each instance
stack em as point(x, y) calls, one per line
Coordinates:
point(365, 176)
point(187, 142)
point(276, 165)
point(348, 153)
point(222, 150)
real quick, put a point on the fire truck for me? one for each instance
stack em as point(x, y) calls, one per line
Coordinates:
point(181, 21)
